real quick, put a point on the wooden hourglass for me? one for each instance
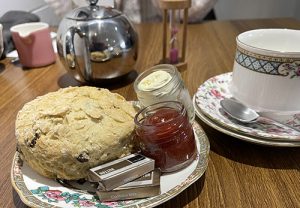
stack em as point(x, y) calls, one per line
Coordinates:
point(174, 51)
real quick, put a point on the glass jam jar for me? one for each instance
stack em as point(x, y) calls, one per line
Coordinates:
point(164, 133)
point(163, 83)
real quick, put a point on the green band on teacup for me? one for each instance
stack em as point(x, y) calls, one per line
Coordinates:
point(268, 65)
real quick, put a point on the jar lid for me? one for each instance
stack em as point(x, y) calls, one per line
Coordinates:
point(93, 11)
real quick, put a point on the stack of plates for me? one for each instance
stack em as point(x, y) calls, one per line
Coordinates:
point(208, 109)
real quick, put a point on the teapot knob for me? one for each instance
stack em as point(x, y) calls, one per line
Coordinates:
point(93, 2)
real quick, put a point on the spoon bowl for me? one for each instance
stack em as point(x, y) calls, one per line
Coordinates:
point(239, 111)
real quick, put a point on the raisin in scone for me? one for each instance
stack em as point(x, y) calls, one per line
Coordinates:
point(64, 133)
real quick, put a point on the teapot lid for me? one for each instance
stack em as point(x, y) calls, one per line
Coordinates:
point(93, 11)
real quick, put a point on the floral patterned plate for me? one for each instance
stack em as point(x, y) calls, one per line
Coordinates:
point(208, 98)
point(256, 140)
point(38, 191)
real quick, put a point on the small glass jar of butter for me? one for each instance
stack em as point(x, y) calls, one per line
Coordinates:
point(163, 83)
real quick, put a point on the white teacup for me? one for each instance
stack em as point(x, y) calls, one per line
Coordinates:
point(266, 71)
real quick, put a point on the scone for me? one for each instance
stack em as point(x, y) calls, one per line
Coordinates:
point(65, 133)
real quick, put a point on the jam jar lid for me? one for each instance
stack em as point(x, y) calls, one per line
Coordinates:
point(93, 11)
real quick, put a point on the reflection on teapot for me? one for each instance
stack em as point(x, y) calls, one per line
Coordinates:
point(1, 41)
point(97, 43)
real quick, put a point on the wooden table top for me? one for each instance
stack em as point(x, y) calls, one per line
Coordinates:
point(239, 174)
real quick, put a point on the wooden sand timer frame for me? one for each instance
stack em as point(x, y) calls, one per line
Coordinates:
point(171, 10)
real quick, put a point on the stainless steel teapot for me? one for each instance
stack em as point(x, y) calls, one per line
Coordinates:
point(97, 43)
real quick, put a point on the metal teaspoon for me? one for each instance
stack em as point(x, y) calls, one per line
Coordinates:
point(242, 113)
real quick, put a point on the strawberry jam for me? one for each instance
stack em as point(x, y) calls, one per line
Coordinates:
point(166, 135)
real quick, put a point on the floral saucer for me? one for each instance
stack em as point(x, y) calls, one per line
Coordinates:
point(211, 92)
point(244, 137)
point(38, 191)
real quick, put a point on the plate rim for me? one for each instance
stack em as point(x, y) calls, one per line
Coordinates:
point(238, 135)
point(196, 174)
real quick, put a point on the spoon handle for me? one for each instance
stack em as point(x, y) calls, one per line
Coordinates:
point(278, 123)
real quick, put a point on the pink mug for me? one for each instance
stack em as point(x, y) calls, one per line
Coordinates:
point(34, 44)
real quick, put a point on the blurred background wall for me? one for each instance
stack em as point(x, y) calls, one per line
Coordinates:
point(38, 7)
point(249, 9)
point(224, 9)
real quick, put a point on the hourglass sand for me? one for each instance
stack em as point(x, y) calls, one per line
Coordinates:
point(174, 26)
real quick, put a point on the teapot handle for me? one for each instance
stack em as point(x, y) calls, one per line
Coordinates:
point(70, 56)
